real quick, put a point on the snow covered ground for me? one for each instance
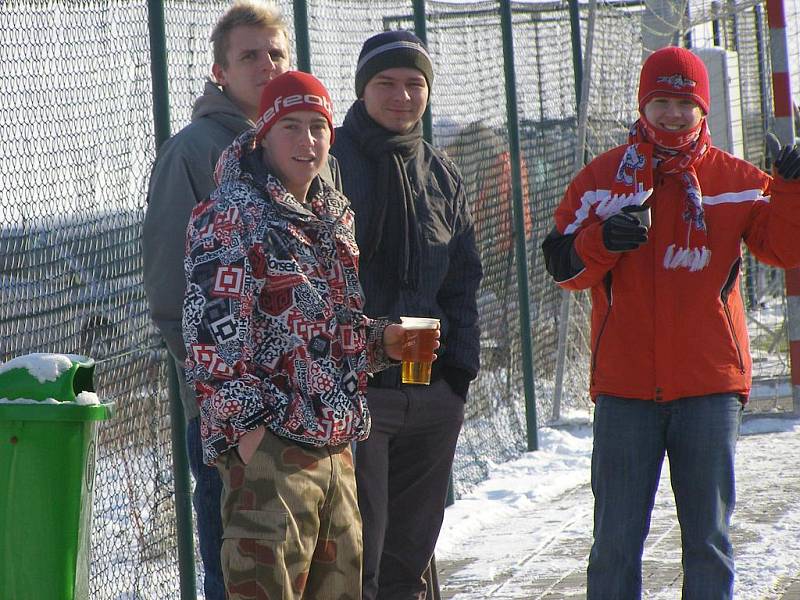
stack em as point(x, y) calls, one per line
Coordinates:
point(525, 533)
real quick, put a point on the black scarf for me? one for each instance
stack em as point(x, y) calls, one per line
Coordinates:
point(393, 221)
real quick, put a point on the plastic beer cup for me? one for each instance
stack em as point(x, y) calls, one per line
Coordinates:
point(641, 212)
point(418, 349)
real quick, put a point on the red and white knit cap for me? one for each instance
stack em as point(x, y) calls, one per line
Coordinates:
point(675, 73)
point(290, 92)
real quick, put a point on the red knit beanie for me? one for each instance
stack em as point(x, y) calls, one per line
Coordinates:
point(674, 72)
point(290, 92)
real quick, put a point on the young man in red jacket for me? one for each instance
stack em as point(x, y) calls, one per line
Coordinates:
point(654, 229)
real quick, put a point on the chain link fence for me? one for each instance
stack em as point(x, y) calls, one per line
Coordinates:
point(76, 146)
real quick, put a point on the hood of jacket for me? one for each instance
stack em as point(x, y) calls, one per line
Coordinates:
point(216, 104)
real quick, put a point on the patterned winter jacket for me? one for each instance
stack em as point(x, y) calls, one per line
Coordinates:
point(661, 333)
point(272, 319)
point(182, 177)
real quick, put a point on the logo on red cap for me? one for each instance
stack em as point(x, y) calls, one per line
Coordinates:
point(290, 92)
point(677, 81)
point(675, 72)
point(285, 102)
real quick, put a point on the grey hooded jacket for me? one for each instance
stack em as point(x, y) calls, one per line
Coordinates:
point(183, 176)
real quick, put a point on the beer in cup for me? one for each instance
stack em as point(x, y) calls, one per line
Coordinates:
point(418, 349)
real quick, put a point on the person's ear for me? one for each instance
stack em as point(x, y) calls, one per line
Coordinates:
point(219, 73)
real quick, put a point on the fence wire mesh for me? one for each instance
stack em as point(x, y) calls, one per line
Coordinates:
point(76, 146)
point(336, 32)
point(470, 123)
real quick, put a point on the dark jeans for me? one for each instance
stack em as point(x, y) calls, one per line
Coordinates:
point(402, 473)
point(631, 438)
point(206, 501)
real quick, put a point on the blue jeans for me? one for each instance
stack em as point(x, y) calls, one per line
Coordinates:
point(206, 501)
point(630, 439)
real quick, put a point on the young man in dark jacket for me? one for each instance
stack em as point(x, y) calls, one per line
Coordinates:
point(251, 47)
point(418, 258)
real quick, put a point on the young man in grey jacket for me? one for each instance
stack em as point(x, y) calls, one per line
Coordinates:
point(251, 47)
point(418, 258)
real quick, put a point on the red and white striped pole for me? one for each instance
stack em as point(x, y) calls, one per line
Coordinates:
point(784, 129)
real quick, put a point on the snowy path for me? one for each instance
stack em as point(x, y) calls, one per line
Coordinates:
point(526, 532)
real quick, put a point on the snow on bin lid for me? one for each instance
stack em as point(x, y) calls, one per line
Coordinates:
point(48, 367)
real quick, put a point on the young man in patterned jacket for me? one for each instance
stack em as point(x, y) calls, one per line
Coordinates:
point(278, 350)
point(251, 47)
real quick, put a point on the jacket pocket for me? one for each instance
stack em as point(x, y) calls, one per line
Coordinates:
point(268, 525)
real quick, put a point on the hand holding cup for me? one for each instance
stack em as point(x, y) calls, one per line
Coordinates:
point(623, 232)
point(393, 338)
point(420, 341)
point(640, 211)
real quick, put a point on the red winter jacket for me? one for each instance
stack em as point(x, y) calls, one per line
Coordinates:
point(660, 334)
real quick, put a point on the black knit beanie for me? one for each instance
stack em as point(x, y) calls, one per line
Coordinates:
point(389, 50)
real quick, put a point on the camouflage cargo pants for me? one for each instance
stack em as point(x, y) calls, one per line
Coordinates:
point(291, 526)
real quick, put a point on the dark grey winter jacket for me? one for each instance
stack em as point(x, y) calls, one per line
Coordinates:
point(450, 267)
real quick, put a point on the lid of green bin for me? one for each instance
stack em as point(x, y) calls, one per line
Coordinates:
point(44, 376)
point(54, 411)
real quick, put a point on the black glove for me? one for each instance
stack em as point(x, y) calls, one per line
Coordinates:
point(623, 232)
point(786, 160)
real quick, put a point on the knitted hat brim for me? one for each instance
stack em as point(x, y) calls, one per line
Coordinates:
point(392, 59)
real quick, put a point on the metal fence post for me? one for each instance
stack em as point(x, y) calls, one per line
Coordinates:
point(519, 226)
point(566, 296)
point(183, 487)
point(301, 39)
point(421, 31)
point(158, 70)
point(784, 128)
point(180, 460)
point(582, 80)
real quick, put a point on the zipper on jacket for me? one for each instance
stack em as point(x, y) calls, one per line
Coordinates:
point(609, 297)
point(724, 294)
point(733, 335)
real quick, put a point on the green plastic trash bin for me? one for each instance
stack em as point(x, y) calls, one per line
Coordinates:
point(48, 428)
